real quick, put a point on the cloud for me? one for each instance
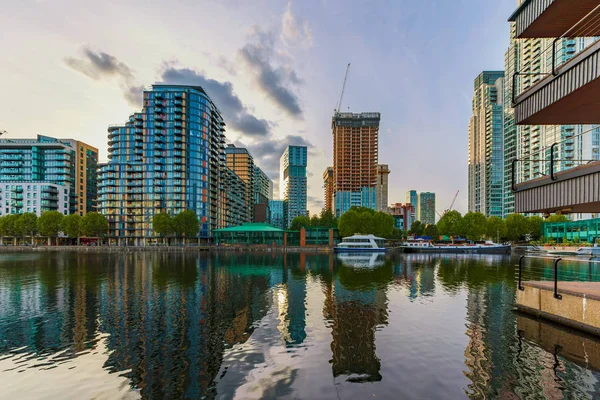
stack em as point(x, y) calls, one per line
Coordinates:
point(314, 202)
point(294, 32)
point(100, 66)
point(274, 82)
point(235, 113)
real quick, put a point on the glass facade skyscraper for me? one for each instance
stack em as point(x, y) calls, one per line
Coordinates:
point(292, 181)
point(166, 158)
point(47, 174)
point(278, 210)
point(427, 208)
point(413, 198)
point(486, 152)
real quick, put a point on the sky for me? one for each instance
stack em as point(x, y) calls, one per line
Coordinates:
point(275, 69)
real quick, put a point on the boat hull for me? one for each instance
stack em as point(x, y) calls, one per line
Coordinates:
point(458, 250)
point(350, 250)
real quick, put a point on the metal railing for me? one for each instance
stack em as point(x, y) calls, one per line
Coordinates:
point(571, 152)
point(556, 261)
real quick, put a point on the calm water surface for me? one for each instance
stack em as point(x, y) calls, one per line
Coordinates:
point(152, 325)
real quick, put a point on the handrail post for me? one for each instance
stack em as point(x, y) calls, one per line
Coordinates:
point(514, 168)
point(552, 177)
point(521, 272)
point(554, 56)
point(556, 295)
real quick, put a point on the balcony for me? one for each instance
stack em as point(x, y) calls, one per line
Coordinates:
point(553, 18)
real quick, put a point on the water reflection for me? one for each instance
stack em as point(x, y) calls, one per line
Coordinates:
point(264, 325)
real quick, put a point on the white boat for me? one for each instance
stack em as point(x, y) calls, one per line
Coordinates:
point(589, 251)
point(361, 243)
point(423, 246)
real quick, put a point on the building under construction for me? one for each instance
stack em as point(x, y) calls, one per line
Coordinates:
point(355, 156)
point(328, 186)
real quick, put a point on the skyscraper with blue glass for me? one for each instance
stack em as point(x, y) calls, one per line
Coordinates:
point(166, 158)
point(292, 181)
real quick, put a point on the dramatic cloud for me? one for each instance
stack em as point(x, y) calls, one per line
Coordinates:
point(274, 82)
point(102, 66)
point(293, 31)
point(234, 111)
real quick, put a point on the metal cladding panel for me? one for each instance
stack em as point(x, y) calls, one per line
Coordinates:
point(580, 194)
point(572, 79)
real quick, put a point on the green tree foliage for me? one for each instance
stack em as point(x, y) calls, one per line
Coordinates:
point(49, 224)
point(450, 224)
point(8, 226)
point(93, 225)
point(535, 227)
point(26, 224)
point(495, 228)
point(300, 222)
point(417, 228)
point(557, 218)
point(517, 226)
point(431, 231)
point(366, 221)
point(70, 225)
point(473, 225)
point(186, 223)
point(162, 224)
point(328, 220)
point(315, 221)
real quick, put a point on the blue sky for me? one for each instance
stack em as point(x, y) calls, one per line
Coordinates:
point(73, 67)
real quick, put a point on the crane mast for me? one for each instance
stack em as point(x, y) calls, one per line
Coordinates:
point(339, 104)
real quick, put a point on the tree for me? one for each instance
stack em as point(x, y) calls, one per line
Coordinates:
point(315, 221)
point(328, 220)
point(431, 231)
point(417, 228)
point(299, 222)
point(162, 224)
point(473, 225)
point(8, 227)
point(450, 223)
point(26, 225)
point(495, 228)
point(557, 218)
point(516, 227)
point(186, 223)
point(535, 227)
point(367, 221)
point(93, 225)
point(70, 225)
point(49, 225)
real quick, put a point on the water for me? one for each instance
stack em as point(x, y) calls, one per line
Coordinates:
point(159, 325)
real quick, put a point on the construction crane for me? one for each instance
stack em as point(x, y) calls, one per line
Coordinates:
point(339, 104)
point(453, 201)
point(430, 203)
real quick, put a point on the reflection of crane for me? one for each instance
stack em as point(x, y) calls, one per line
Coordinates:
point(339, 104)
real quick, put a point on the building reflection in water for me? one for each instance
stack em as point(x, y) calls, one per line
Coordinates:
point(168, 320)
point(356, 307)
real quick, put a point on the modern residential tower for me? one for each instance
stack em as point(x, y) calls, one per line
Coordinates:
point(486, 155)
point(292, 181)
point(47, 174)
point(328, 187)
point(427, 208)
point(413, 198)
point(355, 156)
point(166, 158)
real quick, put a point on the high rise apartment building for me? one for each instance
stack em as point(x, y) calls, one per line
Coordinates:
point(427, 208)
point(233, 208)
point(47, 174)
point(239, 160)
point(278, 211)
point(292, 181)
point(383, 173)
point(486, 154)
point(328, 187)
point(166, 158)
point(413, 198)
point(263, 186)
point(355, 156)
point(403, 215)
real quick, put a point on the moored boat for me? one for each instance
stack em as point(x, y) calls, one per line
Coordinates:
point(423, 246)
point(361, 244)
